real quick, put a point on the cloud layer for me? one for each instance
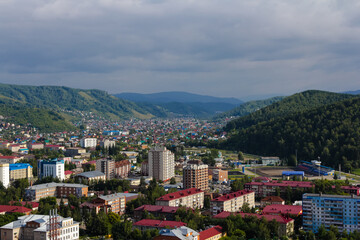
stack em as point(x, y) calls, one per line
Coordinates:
point(216, 47)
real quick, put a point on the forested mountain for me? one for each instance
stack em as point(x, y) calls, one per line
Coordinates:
point(180, 97)
point(43, 119)
point(331, 132)
point(248, 107)
point(295, 103)
point(97, 101)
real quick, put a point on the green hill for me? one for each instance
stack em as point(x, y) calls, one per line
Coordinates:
point(64, 98)
point(248, 107)
point(331, 132)
point(295, 103)
point(43, 119)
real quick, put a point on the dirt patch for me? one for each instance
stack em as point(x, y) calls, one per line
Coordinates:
point(272, 171)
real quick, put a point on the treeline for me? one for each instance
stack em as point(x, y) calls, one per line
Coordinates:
point(331, 132)
point(296, 103)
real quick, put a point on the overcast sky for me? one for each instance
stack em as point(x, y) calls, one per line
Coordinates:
point(229, 48)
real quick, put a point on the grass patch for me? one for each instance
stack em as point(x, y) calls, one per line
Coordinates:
point(356, 171)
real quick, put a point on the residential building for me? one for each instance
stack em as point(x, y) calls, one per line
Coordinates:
point(122, 169)
point(91, 176)
point(263, 189)
point(272, 200)
point(88, 142)
point(20, 171)
point(165, 212)
point(10, 159)
point(34, 205)
point(232, 202)
point(192, 198)
point(196, 176)
point(54, 147)
point(285, 210)
point(36, 192)
point(5, 174)
point(213, 233)
point(146, 224)
point(286, 225)
point(35, 146)
point(181, 233)
point(161, 163)
point(107, 143)
point(6, 209)
point(145, 168)
point(34, 227)
point(219, 175)
point(51, 168)
point(106, 166)
point(341, 211)
point(75, 151)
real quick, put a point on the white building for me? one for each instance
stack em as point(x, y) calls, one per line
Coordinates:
point(32, 227)
point(5, 174)
point(54, 168)
point(161, 163)
point(88, 142)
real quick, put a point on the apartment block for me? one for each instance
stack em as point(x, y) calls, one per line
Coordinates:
point(161, 163)
point(196, 176)
point(5, 174)
point(33, 227)
point(232, 202)
point(107, 143)
point(36, 192)
point(192, 198)
point(122, 169)
point(220, 175)
point(20, 171)
point(51, 168)
point(341, 211)
point(88, 142)
point(35, 146)
point(106, 166)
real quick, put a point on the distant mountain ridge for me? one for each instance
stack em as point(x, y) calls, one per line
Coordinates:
point(175, 96)
point(356, 92)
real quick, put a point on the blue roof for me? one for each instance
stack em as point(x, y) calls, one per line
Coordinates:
point(18, 166)
point(293, 173)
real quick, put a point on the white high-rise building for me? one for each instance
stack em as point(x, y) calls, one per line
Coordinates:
point(54, 168)
point(161, 163)
point(5, 174)
point(88, 142)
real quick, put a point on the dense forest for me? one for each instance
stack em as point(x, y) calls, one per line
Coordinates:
point(96, 101)
point(296, 103)
point(331, 132)
point(248, 107)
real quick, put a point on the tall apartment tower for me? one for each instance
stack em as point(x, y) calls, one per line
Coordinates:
point(5, 174)
point(340, 211)
point(196, 176)
point(161, 163)
point(88, 142)
point(54, 168)
point(106, 166)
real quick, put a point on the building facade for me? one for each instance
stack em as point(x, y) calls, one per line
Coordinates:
point(340, 211)
point(107, 143)
point(88, 142)
point(122, 169)
point(106, 166)
point(20, 171)
point(196, 176)
point(36, 192)
point(51, 168)
point(5, 174)
point(192, 198)
point(232, 202)
point(161, 163)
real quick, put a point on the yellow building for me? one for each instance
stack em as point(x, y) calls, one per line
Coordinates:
point(20, 170)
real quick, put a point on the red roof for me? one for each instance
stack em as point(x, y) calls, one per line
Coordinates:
point(159, 223)
point(179, 194)
point(33, 204)
point(232, 195)
point(91, 162)
point(156, 208)
point(272, 199)
point(12, 209)
point(283, 184)
point(283, 209)
point(280, 219)
point(8, 157)
point(68, 172)
point(211, 232)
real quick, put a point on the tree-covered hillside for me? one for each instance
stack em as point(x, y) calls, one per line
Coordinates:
point(295, 103)
point(248, 107)
point(331, 132)
point(56, 98)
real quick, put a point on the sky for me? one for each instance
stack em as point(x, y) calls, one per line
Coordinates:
point(226, 48)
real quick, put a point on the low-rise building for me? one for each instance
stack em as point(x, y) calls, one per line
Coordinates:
point(36, 192)
point(75, 151)
point(213, 233)
point(10, 159)
point(20, 171)
point(232, 202)
point(5, 209)
point(181, 233)
point(192, 198)
point(272, 200)
point(35, 146)
point(146, 224)
point(34, 227)
point(285, 210)
point(91, 176)
point(164, 212)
